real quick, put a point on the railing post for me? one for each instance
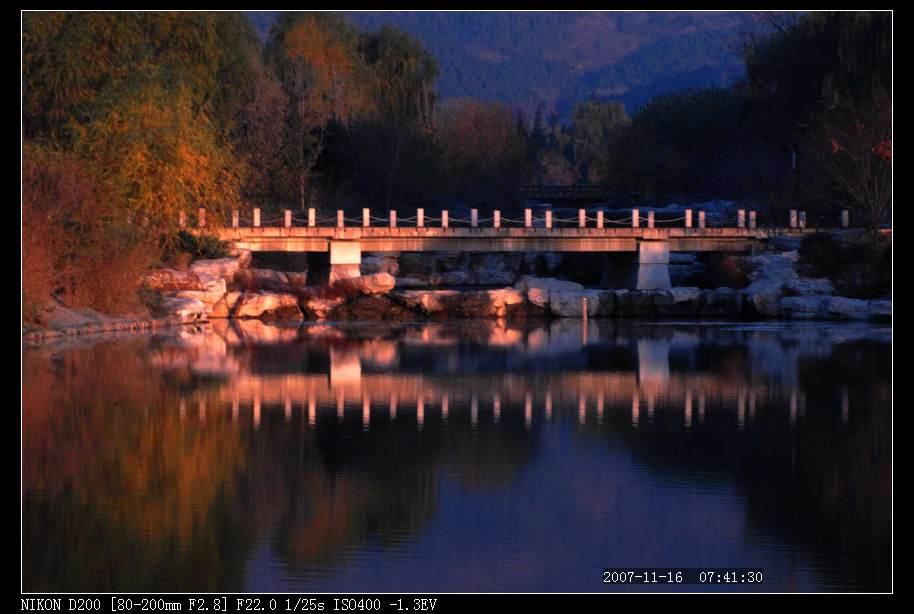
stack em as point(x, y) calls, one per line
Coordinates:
point(340, 222)
point(549, 219)
point(845, 218)
point(393, 218)
point(650, 219)
point(701, 219)
point(802, 219)
point(752, 219)
point(496, 219)
point(635, 218)
point(235, 218)
point(582, 218)
point(312, 217)
point(201, 217)
point(600, 218)
point(474, 218)
point(741, 218)
point(287, 218)
point(793, 218)
point(420, 218)
point(366, 217)
point(444, 219)
point(528, 218)
point(256, 217)
point(688, 218)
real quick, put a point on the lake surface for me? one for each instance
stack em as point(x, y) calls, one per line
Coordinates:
point(471, 456)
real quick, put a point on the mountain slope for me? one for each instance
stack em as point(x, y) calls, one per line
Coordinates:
point(558, 58)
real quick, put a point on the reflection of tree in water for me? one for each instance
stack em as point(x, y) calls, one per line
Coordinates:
point(821, 483)
point(119, 492)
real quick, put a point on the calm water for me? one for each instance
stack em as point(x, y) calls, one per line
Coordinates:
point(452, 457)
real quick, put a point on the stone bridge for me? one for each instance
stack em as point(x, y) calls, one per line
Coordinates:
point(636, 248)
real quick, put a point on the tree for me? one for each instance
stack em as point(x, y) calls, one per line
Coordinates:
point(316, 59)
point(484, 152)
point(595, 127)
point(848, 154)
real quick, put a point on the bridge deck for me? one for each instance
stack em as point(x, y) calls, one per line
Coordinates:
point(385, 239)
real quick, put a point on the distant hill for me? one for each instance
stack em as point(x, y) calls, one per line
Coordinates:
point(556, 59)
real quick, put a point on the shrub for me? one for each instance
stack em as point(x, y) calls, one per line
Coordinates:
point(77, 244)
point(198, 246)
point(859, 266)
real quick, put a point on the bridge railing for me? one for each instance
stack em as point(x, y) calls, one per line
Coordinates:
point(635, 218)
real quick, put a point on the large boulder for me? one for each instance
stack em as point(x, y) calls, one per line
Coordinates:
point(634, 303)
point(212, 292)
point(427, 302)
point(538, 289)
point(494, 269)
point(372, 307)
point(677, 302)
point(570, 304)
point(848, 308)
point(375, 283)
point(380, 264)
point(720, 303)
point(881, 309)
point(481, 303)
point(224, 307)
point(170, 280)
point(772, 272)
point(802, 307)
point(226, 268)
point(182, 309)
point(319, 307)
point(807, 286)
point(259, 304)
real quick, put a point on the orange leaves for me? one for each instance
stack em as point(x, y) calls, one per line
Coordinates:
point(884, 149)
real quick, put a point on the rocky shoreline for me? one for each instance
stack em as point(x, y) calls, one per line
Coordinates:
point(231, 288)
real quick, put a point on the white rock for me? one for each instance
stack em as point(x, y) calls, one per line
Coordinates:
point(768, 280)
point(569, 304)
point(429, 301)
point(881, 308)
point(219, 267)
point(805, 286)
point(185, 309)
point(849, 308)
point(256, 304)
point(375, 283)
point(802, 307)
point(169, 280)
point(539, 289)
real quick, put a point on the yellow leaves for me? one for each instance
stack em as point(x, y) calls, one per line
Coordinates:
point(164, 157)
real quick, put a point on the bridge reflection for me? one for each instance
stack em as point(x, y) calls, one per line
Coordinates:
point(332, 372)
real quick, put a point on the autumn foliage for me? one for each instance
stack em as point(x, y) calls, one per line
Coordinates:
point(77, 244)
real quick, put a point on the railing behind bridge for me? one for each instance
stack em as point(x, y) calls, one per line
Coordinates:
point(584, 219)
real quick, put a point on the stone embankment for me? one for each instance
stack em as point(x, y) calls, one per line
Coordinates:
point(231, 288)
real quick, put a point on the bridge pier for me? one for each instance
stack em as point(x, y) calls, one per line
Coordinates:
point(342, 261)
point(646, 269)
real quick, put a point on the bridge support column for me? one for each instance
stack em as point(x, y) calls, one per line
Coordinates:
point(341, 262)
point(653, 266)
point(646, 269)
